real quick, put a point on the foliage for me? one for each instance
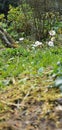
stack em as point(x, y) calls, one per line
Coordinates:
point(38, 60)
point(45, 19)
point(19, 22)
point(24, 21)
point(2, 17)
point(4, 5)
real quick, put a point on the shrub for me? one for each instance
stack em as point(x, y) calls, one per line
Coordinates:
point(19, 22)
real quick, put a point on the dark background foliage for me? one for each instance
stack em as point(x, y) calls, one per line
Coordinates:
point(4, 5)
point(46, 4)
point(44, 16)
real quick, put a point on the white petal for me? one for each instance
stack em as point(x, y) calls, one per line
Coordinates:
point(52, 33)
point(53, 39)
point(38, 43)
point(51, 43)
point(21, 39)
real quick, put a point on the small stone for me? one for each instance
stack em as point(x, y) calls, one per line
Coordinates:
point(58, 63)
point(58, 82)
point(59, 101)
point(60, 88)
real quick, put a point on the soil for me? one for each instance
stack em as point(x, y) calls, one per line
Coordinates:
point(31, 114)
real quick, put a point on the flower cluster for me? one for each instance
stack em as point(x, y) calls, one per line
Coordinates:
point(52, 33)
point(37, 43)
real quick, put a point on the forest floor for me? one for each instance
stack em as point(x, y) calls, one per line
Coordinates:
point(29, 99)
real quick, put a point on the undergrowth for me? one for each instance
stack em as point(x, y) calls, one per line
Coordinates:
point(33, 62)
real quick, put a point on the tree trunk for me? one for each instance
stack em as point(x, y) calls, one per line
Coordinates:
point(7, 39)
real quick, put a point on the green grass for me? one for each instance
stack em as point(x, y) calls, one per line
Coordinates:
point(33, 62)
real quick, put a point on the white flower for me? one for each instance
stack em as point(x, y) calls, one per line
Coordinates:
point(51, 43)
point(52, 33)
point(37, 43)
point(53, 39)
point(21, 39)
